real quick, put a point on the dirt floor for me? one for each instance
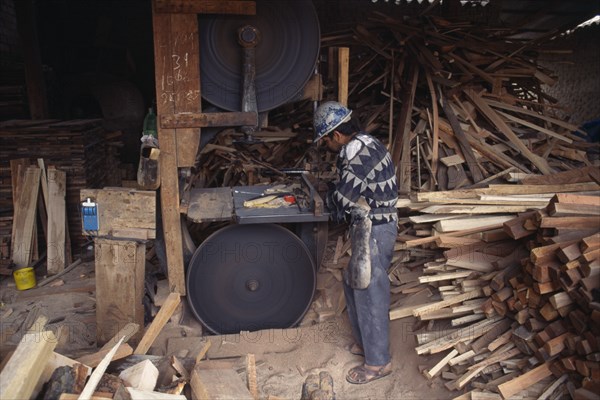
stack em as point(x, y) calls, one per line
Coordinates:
point(284, 358)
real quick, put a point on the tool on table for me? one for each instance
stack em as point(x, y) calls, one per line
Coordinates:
point(276, 196)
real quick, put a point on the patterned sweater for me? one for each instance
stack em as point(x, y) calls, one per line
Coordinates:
point(365, 168)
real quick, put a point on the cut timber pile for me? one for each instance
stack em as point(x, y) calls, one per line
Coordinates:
point(519, 290)
point(467, 107)
point(470, 104)
point(227, 162)
point(118, 371)
point(77, 147)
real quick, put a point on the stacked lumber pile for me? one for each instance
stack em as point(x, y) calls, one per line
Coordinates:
point(510, 298)
point(76, 147)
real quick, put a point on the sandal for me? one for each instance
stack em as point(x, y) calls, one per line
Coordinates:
point(361, 374)
point(356, 349)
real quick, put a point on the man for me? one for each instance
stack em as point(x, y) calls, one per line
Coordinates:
point(366, 175)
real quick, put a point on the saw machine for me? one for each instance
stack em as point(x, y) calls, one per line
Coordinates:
point(260, 270)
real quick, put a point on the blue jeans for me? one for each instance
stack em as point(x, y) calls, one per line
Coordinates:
point(368, 309)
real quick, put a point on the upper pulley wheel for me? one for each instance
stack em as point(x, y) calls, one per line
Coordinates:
point(286, 54)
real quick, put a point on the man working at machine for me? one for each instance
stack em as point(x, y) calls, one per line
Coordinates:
point(366, 196)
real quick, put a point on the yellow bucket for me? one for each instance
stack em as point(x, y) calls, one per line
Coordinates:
point(24, 278)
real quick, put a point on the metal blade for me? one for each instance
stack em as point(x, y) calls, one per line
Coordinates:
point(285, 56)
point(251, 277)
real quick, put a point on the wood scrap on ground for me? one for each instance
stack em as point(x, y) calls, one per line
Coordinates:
point(524, 299)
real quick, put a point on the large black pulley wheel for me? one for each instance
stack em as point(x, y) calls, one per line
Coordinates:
point(286, 53)
point(250, 277)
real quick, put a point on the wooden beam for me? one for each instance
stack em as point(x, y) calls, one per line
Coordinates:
point(206, 7)
point(343, 68)
point(92, 383)
point(24, 220)
point(94, 359)
point(166, 39)
point(218, 384)
point(419, 311)
point(120, 268)
point(522, 382)
point(401, 146)
point(20, 375)
point(57, 223)
point(504, 190)
point(203, 120)
point(163, 316)
point(491, 115)
point(435, 124)
point(463, 142)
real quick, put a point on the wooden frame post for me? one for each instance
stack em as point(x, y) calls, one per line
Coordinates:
point(177, 80)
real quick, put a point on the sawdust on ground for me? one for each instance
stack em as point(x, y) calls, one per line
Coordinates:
point(284, 357)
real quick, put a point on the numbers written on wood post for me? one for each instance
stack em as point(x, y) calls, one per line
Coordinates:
point(179, 80)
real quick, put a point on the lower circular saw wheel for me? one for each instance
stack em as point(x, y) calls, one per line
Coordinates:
point(286, 53)
point(251, 277)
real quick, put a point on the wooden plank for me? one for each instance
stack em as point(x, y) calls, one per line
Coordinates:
point(202, 352)
point(147, 395)
point(218, 384)
point(429, 374)
point(165, 40)
point(24, 218)
point(208, 120)
point(474, 261)
point(489, 113)
point(532, 113)
point(21, 374)
point(94, 359)
point(467, 333)
point(463, 142)
point(127, 332)
point(124, 213)
point(445, 303)
point(443, 277)
point(571, 198)
point(210, 205)
point(566, 222)
point(57, 220)
point(421, 241)
point(401, 146)
point(435, 141)
point(507, 190)
point(251, 376)
point(536, 127)
point(17, 171)
point(450, 161)
point(479, 209)
point(458, 224)
point(163, 316)
point(240, 7)
point(522, 382)
point(92, 383)
point(571, 176)
point(120, 269)
point(343, 68)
